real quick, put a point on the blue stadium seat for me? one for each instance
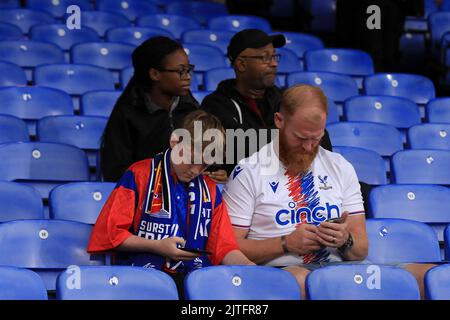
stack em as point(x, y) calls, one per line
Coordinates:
point(63, 37)
point(237, 23)
point(9, 32)
point(84, 132)
point(414, 202)
point(9, 4)
point(46, 246)
point(33, 103)
point(79, 201)
point(215, 38)
point(438, 110)
point(368, 164)
point(421, 167)
point(355, 63)
point(447, 243)
point(412, 49)
point(25, 18)
point(202, 11)
point(214, 76)
point(333, 112)
point(204, 57)
point(129, 8)
point(393, 241)
point(302, 42)
point(99, 103)
point(135, 35)
point(411, 86)
point(439, 24)
point(11, 75)
point(19, 202)
point(430, 136)
point(241, 283)
point(74, 79)
point(361, 282)
point(117, 283)
point(336, 87)
point(437, 283)
point(30, 54)
point(289, 63)
point(57, 8)
point(102, 21)
point(174, 23)
point(12, 129)
point(323, 14)
point(382, 138)
point(200, 95)
point(113, 56)
point(21, 284)
point(42, 165)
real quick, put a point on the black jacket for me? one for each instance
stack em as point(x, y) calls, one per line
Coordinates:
point(135, 132)
point(220, 103)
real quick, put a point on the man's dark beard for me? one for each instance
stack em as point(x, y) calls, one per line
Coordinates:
point(296, 160)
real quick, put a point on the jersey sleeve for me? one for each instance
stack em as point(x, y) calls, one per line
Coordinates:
point(221, 240)
point(239, 196)
point(352, 197)
point(116, 218)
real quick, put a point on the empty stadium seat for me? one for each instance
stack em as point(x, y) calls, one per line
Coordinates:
point(414, 202)
point(79, 201)
point(84, 132)
point(46, 246)
point(9, 32)
point(102, 21)
point(174, 23)
point(333, 112)
point(30, 54)
point(99, 103)
point(239, 22)
point(33, 103)
point(200, 95)
point(214, 76)
point(393, 241)
point(9, 4)
point(438, 110)
point(129, 8)
point(368, 164)
point(355, 63)
point(412, 49)
point(421, 167)
point(215, 38)
point(11, 75)
point(117, 283)
point(437, 283)
point(323, 15)
point(361, 282)
point(42, 165)
point(241, 283)
point(202, 11)
point(13, 129)
point(25, 18)
point(439, 24)
point(135, 35)
point(382, 138)
point(430, 136)
point(21, 284)
point(57, 8)
point(301, 42)
point(74, 79)
point(288, 63)
point(63, 37)
point(19, 202)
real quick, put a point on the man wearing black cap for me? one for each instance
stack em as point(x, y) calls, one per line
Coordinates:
point(251, 100)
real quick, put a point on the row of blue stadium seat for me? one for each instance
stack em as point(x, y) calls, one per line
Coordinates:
point(344, 282)
point(50, 246)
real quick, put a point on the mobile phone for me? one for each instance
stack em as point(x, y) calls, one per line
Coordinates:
point(335, 220)
point(213, 168)
point(195, 250)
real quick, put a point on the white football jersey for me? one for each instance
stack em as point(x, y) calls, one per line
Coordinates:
point(264, 199)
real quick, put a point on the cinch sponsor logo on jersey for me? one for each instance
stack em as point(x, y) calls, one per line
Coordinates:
point(316, 215)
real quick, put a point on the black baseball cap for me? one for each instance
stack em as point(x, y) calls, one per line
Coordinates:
point(252, 38)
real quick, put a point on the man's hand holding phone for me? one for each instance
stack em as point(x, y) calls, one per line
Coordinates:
point(333, 233)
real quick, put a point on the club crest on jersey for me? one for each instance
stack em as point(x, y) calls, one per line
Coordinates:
point(237, 171)
point(274, 186)
point(324, 183)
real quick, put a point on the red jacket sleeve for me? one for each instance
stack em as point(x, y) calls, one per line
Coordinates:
point(221, 239)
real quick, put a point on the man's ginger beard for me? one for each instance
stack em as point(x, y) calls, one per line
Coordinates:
point(296, 160)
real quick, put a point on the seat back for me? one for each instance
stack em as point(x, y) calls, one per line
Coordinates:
point(437, 283)
point(99, 103)
point(176, 24)
point(21, 284)
point(430, 136)
point(239, 22)
point(19, 202)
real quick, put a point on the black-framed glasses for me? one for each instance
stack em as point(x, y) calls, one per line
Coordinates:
point(267, 58)
point(183, 72)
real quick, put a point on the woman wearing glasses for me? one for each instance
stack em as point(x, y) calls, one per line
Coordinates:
point(153, 104)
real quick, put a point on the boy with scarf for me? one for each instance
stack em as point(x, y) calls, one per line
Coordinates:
point(161, 205)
